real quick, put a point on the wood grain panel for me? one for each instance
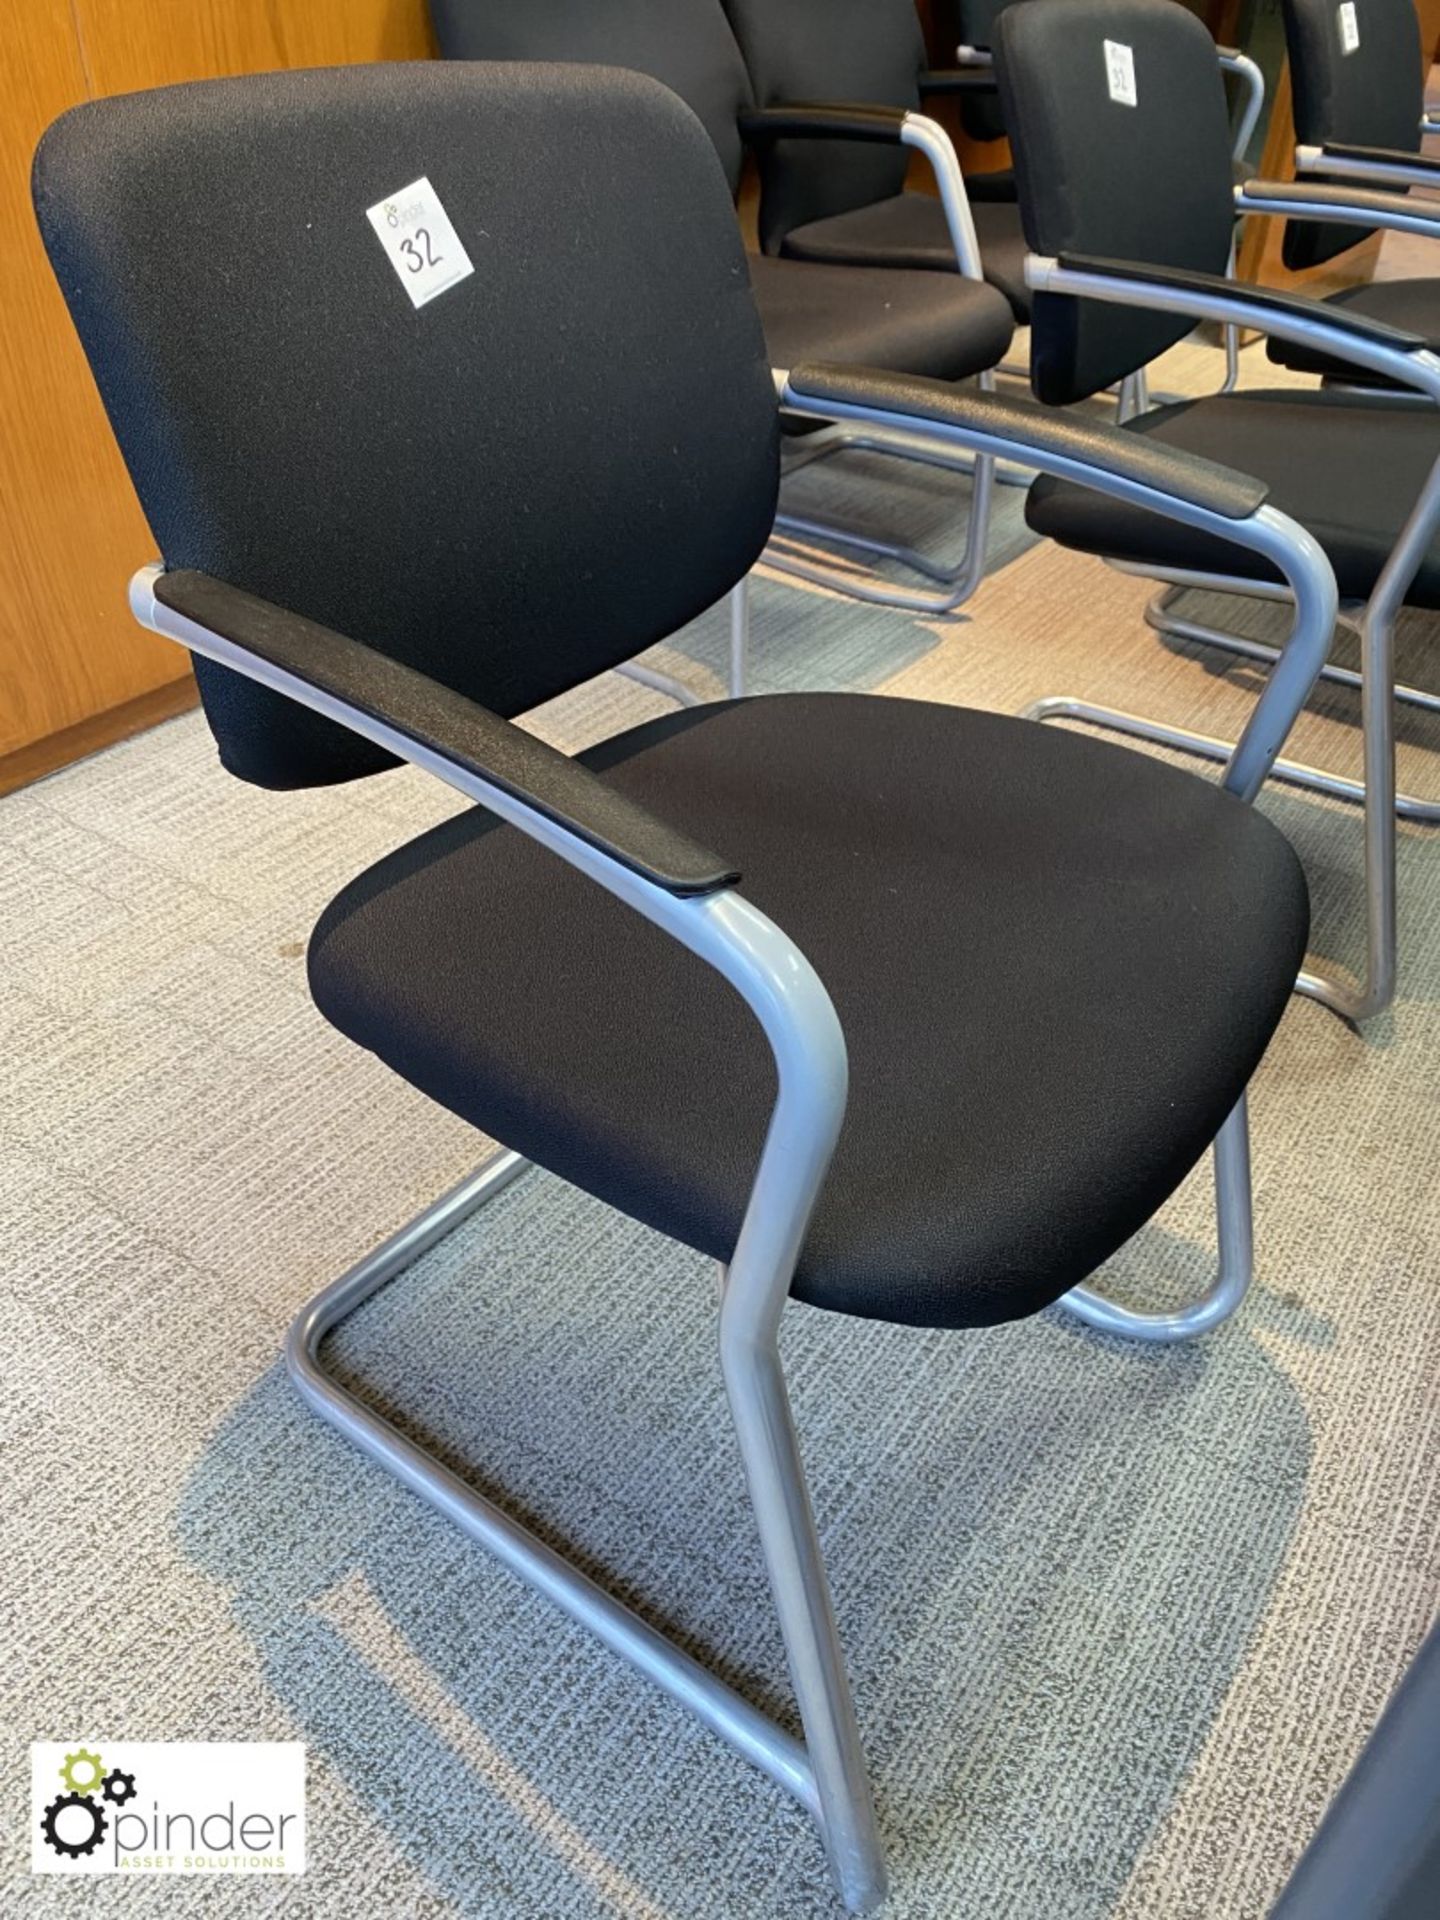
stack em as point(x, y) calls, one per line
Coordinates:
point(71, 531)
point(151, 43)
point(71, 528)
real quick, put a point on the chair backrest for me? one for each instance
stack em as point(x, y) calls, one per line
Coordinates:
point(1121, 137)
point(545, 468)
point(1357, 73)
point(814, 50)
point(687, 45)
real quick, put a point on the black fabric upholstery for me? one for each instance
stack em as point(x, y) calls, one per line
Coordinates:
point(1056, 964)
point(843, 50)
point(1371, 97)
point(684, 44)
point(937, 324)
point(1150, 182)
point(1413, 305)
point(909, 230)
point(1047, 432)
point(1347, 469)
point(535, 476)
point(896, 319)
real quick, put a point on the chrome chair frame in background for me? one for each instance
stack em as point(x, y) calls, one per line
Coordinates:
point(826, 1774)
point(956, 583)
point(1419, 372)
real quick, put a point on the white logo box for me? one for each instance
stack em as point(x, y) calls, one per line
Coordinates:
point(173, 1806)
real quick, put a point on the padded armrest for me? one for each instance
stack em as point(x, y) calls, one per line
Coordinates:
point(1261, 300)
point(1383, 156)
point(447, 723)
point(822, 120)
point(958, 80)
point(1369, 205)
point(1044, 431)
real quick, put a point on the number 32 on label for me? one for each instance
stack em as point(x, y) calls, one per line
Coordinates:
point(419, 241)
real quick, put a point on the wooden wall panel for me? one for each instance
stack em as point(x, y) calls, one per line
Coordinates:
point(71, 531)
point(69, 526)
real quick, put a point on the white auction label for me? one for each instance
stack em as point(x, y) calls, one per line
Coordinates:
point(1120, 73)
point(419, 241)
point(1349, 27)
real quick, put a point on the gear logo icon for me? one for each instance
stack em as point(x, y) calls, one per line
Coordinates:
point(76, 1842)
point(88, 1766)
point(77, 1820)
point(118, 1787)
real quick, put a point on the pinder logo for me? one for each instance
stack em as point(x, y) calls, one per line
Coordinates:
point(168, 1807)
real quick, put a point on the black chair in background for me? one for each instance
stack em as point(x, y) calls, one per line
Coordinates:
point(853, 208)
point(1358, 73)
point(1130, 235)
point(890, 317)
point(958, 1000)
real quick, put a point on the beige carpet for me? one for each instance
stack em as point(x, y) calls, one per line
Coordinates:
point(1119, 1620)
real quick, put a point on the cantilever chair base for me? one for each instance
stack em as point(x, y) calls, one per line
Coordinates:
point(860, 1877)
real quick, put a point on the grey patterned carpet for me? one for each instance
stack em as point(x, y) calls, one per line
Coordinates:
point(1119, 1620)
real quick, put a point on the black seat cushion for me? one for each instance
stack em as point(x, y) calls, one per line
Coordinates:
point(1056, 961)
point(948, 328)
point(910, 230)
point(1412, 305)
point(1347, 469)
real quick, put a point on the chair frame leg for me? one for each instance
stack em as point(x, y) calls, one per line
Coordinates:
point(1161, 618)
point(1234, 1222)
point(826, 1773)
point(1370, 995)
point(957, 583)
point(738, 668)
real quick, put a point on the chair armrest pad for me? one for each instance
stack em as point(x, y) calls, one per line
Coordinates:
point(447, 723)
point(1261, 300)
point(1383, 156)
point(958, 80)
point(1045, 431)
point(822, 120)
point(1328, 200)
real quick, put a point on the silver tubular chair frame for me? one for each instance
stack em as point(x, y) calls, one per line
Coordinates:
point(1383, 174)
point(1160, 617)
point(826, 1773)
point(1300, 560)
point(737, 677)
point(1420, 372)
point(786, 553)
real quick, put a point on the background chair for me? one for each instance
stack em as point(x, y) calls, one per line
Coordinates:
point(1131, 236)
point(851, 207)
point(360, 503)
point(1359, 117)
point(890, 317)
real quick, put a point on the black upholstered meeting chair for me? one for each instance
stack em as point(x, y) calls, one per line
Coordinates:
point(912, 1012)
point(1130, 237)
point(887, 315)
point(1357, 73)
point(856, 209)
point(851, 207)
